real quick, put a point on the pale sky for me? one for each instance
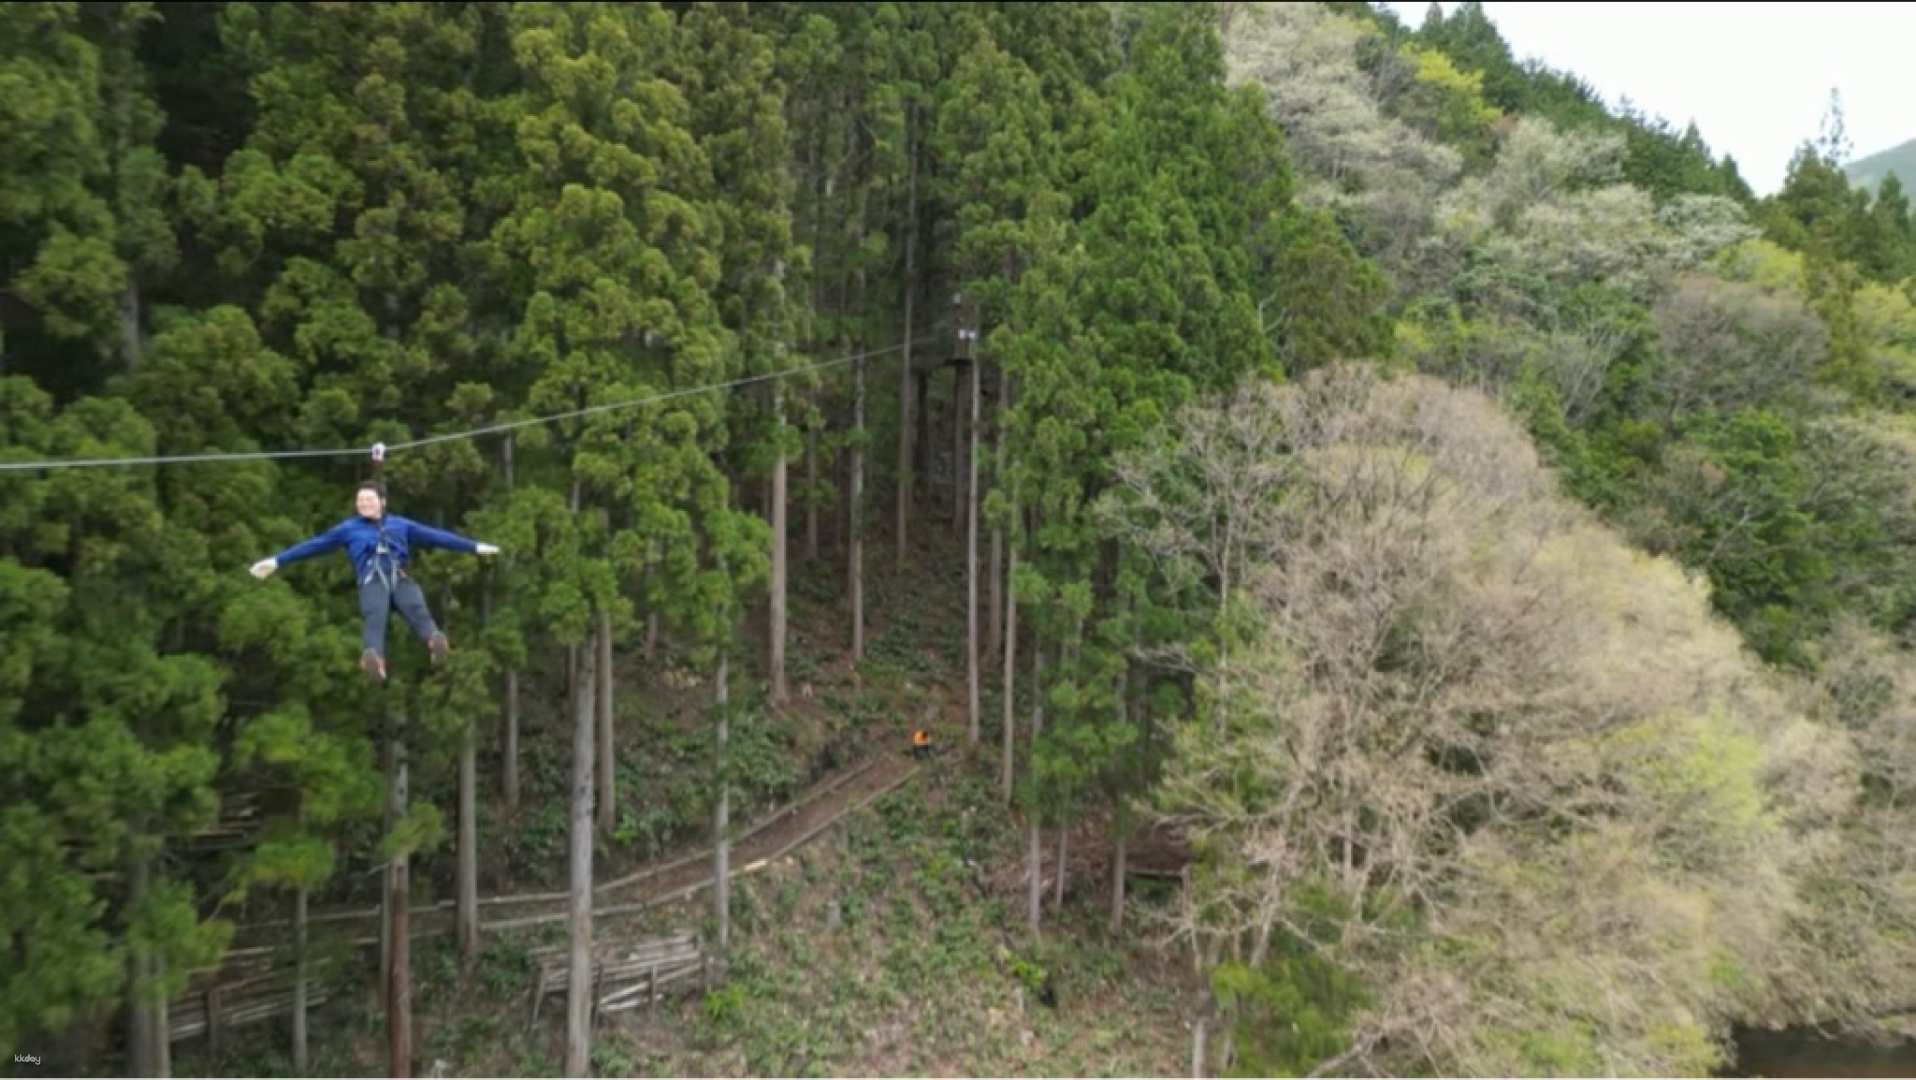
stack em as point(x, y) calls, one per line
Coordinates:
point(1756, 77)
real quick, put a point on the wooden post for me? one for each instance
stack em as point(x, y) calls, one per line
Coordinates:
point(607, 753)
point(779, 693)
point(399, 981)
point(1135, 714)
point(578, 1047)
point(467, 871)
point(855, 528)
point(921, 471)
point(512, 687)
point(163, 1029)
point(598, 985)
point(512, 740)
point(299, 972)
point(1034, 854)
point(855, 504)
point(1011, 656)
point(907, 469)
point(141, 1039)
point(971, 560)
point(958, 442)
point(996, 577)
point(386, 891)
point(214, 1037)
point(1057, 896)
point(722, 812)
point(811, 494)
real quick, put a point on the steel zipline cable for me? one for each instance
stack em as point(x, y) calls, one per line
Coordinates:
point(379, 450)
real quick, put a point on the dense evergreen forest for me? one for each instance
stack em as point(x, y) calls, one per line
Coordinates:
point(1479, 526)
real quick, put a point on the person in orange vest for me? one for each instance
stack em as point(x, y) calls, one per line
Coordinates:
point(920, 743)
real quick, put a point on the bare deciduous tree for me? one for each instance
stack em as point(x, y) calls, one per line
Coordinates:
point(1729, 345)
point(1350, 154)
point(1551, 791)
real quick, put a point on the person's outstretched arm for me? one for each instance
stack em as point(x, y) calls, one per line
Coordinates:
point(426, 536)
point(319, 545)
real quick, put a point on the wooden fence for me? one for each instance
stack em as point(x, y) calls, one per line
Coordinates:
point(624, 976)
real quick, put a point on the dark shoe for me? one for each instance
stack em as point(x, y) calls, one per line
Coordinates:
point(373, 665)
point(439, 647)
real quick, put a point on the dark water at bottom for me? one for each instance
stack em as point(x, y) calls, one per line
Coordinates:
point(1804, 1052)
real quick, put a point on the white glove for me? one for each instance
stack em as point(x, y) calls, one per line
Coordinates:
point(264, 568)
point(488, 549)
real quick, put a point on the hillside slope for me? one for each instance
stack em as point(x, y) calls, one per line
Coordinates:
point(1869, 172)
point(890, 944)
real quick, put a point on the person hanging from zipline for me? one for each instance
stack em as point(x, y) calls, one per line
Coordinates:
point(379, 545)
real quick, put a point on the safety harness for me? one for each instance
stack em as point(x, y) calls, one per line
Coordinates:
point(383, 567)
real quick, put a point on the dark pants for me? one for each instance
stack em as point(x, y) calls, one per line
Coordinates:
point(376, 602)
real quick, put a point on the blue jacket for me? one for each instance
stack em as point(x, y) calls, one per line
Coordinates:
point(361, 538)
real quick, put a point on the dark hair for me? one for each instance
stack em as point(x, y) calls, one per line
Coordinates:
point(373, 486)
